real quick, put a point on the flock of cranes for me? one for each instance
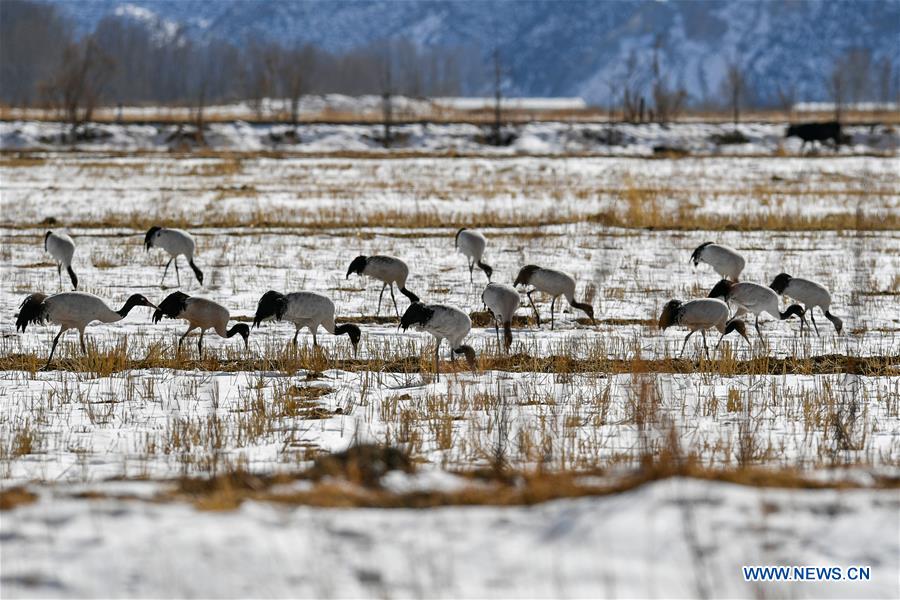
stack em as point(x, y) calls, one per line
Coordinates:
point(76, 310)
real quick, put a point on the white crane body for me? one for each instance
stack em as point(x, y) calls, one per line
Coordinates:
point(502, 301)
point(389, 271)
point(471, 244)
point(553, 283)
point(62, 248)
point(700, 315)
point(442, 322)
point(725, 261)
point(808, 293)
point(72, 310)
point(304, 309)
point(756, 299)
point(176, 242)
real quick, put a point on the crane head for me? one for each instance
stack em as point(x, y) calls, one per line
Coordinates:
point(721, 289)
point(525, 273)
point(669, 316)
point(780, 283)
point(148, 238)
point(416, 314)
point(357, 266)
point(695, 257)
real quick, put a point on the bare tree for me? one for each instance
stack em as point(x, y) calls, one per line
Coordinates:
point(857, 65)
point(787, 97)
point(498, 97)
point(387, 93)
point(668, 102)
point(632, 101)
point(296, 73)
point(734, 89)
point(837, 86)
point(79, 81)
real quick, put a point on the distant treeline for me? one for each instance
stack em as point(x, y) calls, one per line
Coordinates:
point(43, 63)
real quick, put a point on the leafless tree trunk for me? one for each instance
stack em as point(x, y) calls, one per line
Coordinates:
point(837, 86)
point(79, 82)
point(387, 92)
point(734, 87)
point(498, 96)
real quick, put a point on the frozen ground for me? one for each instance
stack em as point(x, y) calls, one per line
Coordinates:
point(551, 138)
point(622, 226)
point(673, 539)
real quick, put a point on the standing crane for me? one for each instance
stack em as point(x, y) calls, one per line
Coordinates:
point(72, 310)
point(725, 261)
point(502, 301)
point(810, 294)
point(443, 322)
point(756, 299)
point(700, 315)
point(61, 247)
point(471, 244)
point(386, 269)
point(552, 282)
point(304, 309)
point(176, 242)
point(201, 314)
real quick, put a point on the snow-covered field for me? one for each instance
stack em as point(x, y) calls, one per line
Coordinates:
point(623, 226)
point(550, 138)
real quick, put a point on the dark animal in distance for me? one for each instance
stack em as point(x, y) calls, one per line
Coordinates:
point(816, 132)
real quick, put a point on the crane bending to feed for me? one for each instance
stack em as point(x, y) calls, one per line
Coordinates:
point(386, 269)
point(176, 242)
point(471, 244)
point(756, 299)
point(555, 284)
point(725, 261)
point(61, 247)
point(808, 293)
point(202, 314)
point(502, 301)
point(304, 309)
point(443, 322)
point(72, 310)
point(700, 315)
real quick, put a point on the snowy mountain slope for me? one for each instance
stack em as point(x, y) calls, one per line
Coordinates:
point(569, 48)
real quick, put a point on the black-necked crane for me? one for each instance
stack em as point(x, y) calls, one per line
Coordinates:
point(386, 269)
point(700, 315)
point(443, 322)
point(72, 310)
point(808, 293)
point(471, 244)
point(176, 242)
point(502, 301)
point(756, 299)
point(62, 248)
point(555, 284)
point(725, 261)
point(304, 309)
point(202, 314)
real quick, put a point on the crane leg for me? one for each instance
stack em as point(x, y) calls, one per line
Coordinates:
point(59, 274)
point(53, 347)
point(380, 296)
point(705, 347)
point(177, 276)
point(757, 329)
point(200, 341)
point(396, 310)
point(680, 354)
point(437, 369)
point(296, 333)
point(471, 268)
point(552, 305)
point(165, 272)
point(315, 341)
point(181, 339)
point(812, 317)
point(534, 308)
point(81, 336)
point(497, 329)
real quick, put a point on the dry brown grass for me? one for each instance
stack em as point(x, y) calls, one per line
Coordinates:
point(116, 361)
point(16, 496)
